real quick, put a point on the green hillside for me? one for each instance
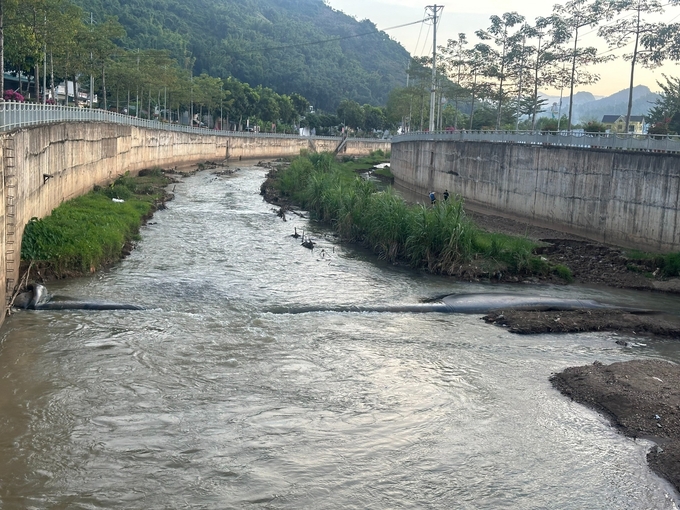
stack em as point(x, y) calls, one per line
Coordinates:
point(274, 43)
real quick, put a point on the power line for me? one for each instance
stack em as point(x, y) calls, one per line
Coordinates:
point(324, 41)
point(420, 33)
point(427, 41)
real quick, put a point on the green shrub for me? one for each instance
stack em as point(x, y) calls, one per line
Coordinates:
point(117, 191)
point(595, 127)
point(549, 125)
point(564, 272)
point(671, 265)
point(539, 265)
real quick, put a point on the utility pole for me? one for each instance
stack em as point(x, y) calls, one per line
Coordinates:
point(436, 9)
point(91, 66)
point(521, 76)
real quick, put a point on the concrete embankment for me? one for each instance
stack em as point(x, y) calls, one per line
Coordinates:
point(628, 199)
point(46, 165)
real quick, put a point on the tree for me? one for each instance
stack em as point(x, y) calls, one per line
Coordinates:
point(542, 59)
point(267, 106)
point(100, 43)
point(208, 92)
point(666, 110)
point(374, 117)
point(477, 64)
point(399, 106)
point(287, 113)
point(7, 9)
point(300, 104)
point(351, 113)
point(419, 80)
point(499, 32)
point(453, 56)
point(632, 26)
point(578, 14)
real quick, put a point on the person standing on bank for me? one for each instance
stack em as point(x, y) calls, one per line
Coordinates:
point(433, 199)
point(446, 195)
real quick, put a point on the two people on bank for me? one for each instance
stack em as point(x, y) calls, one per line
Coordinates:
point(433, 197)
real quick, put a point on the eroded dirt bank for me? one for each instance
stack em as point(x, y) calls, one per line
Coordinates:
point(640, 397)
point(579, 321)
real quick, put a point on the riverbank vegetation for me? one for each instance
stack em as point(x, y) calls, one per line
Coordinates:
point(95, 230)
point(652, 265)
point(439, 238)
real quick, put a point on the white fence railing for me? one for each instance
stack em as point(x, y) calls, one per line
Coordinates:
point(610, 141)
point(20, 115)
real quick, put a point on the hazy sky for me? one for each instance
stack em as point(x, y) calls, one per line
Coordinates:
point(469, 16)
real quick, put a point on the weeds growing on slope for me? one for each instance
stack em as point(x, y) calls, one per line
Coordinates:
point(91, 231)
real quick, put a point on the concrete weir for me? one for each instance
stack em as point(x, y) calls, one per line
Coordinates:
point(625, 198)
point(45, 165)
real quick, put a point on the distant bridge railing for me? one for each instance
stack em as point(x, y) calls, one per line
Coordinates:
point(609, 141)
point(20, 115)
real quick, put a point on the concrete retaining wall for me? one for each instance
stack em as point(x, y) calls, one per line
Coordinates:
point(46, 165)
point(272, 147)
point(627, 199)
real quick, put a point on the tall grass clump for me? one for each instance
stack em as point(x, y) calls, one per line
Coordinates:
point(515, 252)
point(667, 265)
point(440, 237)
point(385, 225)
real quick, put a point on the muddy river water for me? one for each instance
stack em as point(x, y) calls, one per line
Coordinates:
point(208, 400)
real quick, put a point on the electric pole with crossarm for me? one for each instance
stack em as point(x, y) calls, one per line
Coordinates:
point(436, 9)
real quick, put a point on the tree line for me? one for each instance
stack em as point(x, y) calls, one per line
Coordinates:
point(492, 83)
point(290, 46)
point(495, 82)
point(54, 41)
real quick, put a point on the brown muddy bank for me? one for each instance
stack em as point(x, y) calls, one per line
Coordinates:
point(641, 398)
point(526, 322)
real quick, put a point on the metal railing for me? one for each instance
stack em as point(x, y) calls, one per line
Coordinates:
point(609, 141)
point(21, 115)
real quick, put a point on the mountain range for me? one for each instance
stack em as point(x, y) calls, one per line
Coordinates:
point(587, 107)
point(301, 46)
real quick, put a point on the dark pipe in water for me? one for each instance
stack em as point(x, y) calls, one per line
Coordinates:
point(36, 297)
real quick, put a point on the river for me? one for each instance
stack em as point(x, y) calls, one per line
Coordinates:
point(209, 400)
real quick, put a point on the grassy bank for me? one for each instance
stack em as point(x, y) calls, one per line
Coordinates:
point(652, 265)
point(440, 239)
point(95, 230)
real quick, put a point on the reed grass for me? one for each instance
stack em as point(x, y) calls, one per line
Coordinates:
point(440, 238)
